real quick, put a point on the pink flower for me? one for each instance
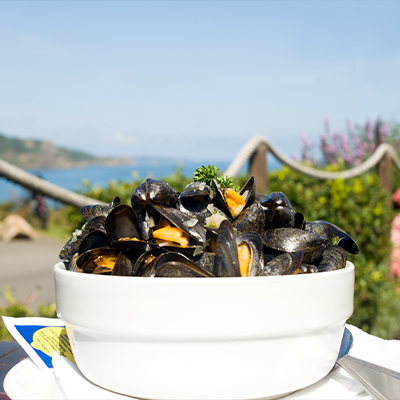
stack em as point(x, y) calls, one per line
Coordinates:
point(396, 222)
point(395, 236)
point(396, 196)
point(395, 261)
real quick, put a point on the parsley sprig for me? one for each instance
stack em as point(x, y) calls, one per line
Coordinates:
point(206, 174)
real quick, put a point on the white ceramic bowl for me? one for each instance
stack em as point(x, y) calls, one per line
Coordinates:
point(199, 338)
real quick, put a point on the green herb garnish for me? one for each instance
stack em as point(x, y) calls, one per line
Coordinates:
point(335, 240)
point(206, 174)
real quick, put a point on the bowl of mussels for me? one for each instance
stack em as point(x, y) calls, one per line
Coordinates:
point(211, 293)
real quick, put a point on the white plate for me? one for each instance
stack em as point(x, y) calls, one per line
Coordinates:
point(26, 381)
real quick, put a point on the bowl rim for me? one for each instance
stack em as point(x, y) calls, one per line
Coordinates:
point(59, 269)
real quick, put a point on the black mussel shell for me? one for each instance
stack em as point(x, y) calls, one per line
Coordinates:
point(331, 231)
point(195, 208)
point(96, 224)
point(284, 264)
point(72, 246)
point(226, 261)
point(291, 239)
point(274, 200)
point(96, 210)
point(123, 266)
point(91, 259)
point(197, 189)
point(279, 211)
point(153, 191)
point(121, 223)
point(71, 266)
point(94, 240)
point(101, 270)
point(306, 269)
point(144, 265)
point(248, 192)
point(176, 265)
point(186, 223)
point(255, 245)
point(314, 256)
point(205, 261)
point(252, 219)
point(333, 258)
point(299, 221)
point(219, 198)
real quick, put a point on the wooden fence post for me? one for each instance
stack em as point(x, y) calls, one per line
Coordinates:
point(385, 172)
point(384, 167)
point(258, 168)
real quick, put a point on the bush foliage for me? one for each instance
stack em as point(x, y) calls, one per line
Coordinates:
point(359, 206)
point(14, 308)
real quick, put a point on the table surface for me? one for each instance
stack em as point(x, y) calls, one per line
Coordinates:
point(11, 353)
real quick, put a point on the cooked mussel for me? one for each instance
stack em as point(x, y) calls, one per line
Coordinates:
point(291, 239)
point(329, 231)
point(333, 258)
point(284, 264)
point(151, 192)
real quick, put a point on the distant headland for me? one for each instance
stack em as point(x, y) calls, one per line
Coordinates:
point(37, 154)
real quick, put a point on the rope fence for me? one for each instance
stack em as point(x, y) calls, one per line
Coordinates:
point(382, 158)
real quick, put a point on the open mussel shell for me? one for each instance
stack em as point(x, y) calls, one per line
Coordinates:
point(123, 229)
point(219, 199)
point(255, 246)
point(72, 246)
point(197, 189)
point(291, 239)
point(195, 208)
point(182, 221)
point(121, 223)
point(226, 261)
point(148, 193)
point(94, 240)
point(104, 257)
point(329, 231)
point(220, 196)
point(248, 191)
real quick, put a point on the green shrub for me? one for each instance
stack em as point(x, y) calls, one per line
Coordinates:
point(360, 207)
point(14, 308)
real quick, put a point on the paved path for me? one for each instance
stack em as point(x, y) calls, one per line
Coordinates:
point(26, 266)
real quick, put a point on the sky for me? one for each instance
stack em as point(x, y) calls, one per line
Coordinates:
point(194, 79)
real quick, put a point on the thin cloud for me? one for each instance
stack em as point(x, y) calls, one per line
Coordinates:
point(124, 138)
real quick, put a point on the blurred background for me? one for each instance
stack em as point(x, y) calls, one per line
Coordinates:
point(98, 95)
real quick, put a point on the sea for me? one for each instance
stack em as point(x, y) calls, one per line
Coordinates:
point(101, 175)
